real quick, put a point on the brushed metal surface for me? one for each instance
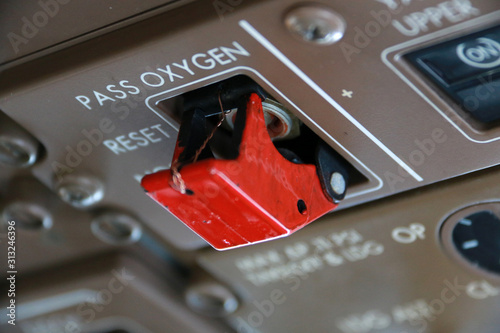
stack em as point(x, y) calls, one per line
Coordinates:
point(359, 95)
point(383, 128)
point(29, 27)
point(326, 278)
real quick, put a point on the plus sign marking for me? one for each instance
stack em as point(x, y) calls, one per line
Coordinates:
point(347, 93)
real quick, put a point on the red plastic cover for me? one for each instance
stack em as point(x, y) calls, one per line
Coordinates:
point(257, 197)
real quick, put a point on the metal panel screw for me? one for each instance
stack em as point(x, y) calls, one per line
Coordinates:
point(18, 152)
point(80, 191)
point(211, 299)
point(116, 228)
point(316, 24)
point(27, 215)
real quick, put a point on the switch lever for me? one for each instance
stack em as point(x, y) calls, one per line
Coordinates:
point(257, 196)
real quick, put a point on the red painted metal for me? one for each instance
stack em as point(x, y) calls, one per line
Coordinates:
point(244, 201)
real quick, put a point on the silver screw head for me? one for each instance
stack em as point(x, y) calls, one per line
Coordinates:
point(316, 24)
point(80, 191)
point(338, 183)
point(211, 299)
point(18, 152)
point(116, 228)
point(27, 215)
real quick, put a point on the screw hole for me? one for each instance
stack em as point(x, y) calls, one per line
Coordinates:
point(301, 206)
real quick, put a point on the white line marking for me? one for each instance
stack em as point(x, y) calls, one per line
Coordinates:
point(271, 48)
point(466, 222)
point(470, 244)
point(239, 69)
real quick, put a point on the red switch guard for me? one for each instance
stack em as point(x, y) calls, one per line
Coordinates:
point(257, 197)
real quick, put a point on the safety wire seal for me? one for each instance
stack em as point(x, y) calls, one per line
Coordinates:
point(177, 180)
